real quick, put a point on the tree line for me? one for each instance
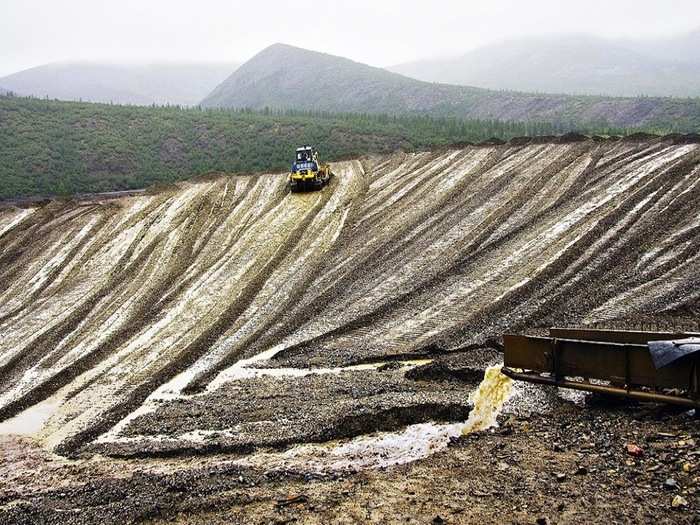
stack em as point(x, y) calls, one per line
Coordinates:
point(50, 147)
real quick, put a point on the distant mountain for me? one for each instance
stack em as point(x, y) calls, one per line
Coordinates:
point(574, 64)
point(283, 76)
point(184, 84)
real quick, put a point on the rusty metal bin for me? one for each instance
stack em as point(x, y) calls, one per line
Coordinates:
point(606, 361)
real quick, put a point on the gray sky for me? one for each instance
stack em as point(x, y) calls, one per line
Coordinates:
point(378, 32)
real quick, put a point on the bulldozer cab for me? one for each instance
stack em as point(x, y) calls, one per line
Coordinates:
point(305, 154)
point(305, 159)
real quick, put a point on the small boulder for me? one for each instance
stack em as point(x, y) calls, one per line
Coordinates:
point(634, 450)
point(671, 484)
point(679, 501)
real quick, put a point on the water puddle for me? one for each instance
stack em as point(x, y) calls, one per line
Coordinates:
point(32, 420)
point(386, 449)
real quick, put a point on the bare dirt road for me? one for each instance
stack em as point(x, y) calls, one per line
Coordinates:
point(199, 340)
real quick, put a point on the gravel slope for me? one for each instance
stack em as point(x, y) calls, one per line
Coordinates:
point(115, 308)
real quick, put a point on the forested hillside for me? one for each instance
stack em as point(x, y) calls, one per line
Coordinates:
point(61, 148)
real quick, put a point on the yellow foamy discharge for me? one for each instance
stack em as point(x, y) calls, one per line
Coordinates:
point(488, 400)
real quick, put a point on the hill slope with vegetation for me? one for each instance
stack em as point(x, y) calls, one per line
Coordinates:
point(62, 148)
point(283, 76)
point(141, 84)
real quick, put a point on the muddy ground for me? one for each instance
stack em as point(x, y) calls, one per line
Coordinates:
point(570, 465)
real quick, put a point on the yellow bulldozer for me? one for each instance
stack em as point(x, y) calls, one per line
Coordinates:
point(308, 173)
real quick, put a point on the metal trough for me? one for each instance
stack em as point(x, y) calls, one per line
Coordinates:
point(607, 361)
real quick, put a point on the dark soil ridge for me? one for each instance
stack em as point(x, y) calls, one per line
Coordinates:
point(344, 427)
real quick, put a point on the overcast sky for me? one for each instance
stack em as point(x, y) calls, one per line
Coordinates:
point(378, 32)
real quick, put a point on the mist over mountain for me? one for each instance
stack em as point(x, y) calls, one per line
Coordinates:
point(573, 64)
point(682, 48)
point(140, 84)
point(283, 76)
